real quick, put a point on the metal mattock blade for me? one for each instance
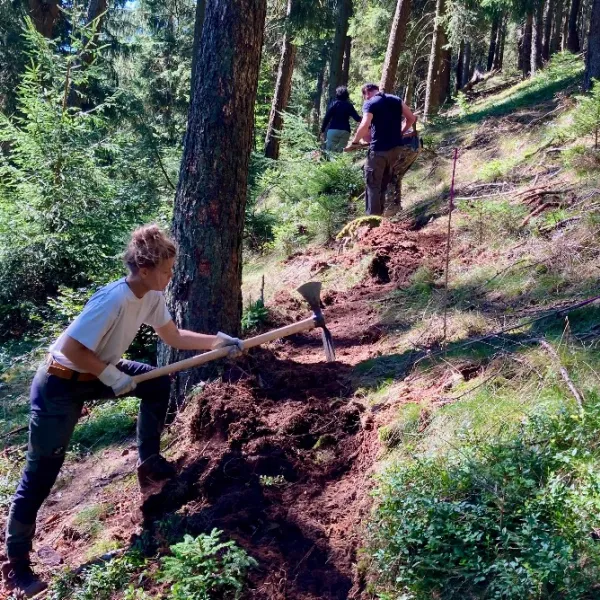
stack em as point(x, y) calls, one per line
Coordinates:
point(311, 292)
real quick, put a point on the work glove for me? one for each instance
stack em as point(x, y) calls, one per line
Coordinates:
point(120, 382)
point(224, 340)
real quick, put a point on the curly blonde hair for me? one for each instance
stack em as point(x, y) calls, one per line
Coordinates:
point(148, 247)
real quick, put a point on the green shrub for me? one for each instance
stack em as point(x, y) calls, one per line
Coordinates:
point(204, 568)
point(98, 582)
point(73, 183)
point(506, 518)
point(254, 315)
point(587, 116)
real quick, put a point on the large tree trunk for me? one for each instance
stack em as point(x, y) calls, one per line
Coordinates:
point(548, 18)
point(466, 69)
point(493, 41)
point(281, 96)
point(344, 12)
point(557, 25)
point(208, 217)
point(432, 92)
point(536, 38)
point(395, 43)
point(199, 24)
point(526, 46)
point(592, 59)
point(573, 35)
point(44, 14)
point(346, 61)
point(459, 65)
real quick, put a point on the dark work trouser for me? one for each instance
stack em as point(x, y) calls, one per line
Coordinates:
point(381, 168)
point(56, 405)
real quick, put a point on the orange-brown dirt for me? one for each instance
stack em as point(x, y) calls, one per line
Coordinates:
point(278, 454)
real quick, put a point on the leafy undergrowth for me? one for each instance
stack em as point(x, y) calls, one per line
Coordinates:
point(487, 465)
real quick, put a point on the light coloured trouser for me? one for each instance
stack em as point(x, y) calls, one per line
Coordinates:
point(336, 140)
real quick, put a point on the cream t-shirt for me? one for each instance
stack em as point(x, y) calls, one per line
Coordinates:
point(110, 320)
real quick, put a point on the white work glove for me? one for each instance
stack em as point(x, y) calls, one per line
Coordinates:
point(224, 340)
point(120, 382)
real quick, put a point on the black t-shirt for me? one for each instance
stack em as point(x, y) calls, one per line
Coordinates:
point(386, 125)
point(338, 116)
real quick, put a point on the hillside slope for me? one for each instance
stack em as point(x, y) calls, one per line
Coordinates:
point(280, 454)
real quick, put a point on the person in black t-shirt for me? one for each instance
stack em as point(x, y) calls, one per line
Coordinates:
point(336, 124)
point(386, 118)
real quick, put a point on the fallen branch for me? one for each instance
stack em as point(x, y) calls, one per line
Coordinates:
point(14, 431)
point(560, 224)
point(565, 375)
point(536, 211)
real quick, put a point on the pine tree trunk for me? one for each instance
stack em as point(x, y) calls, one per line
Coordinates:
point(466, 70)
point(199, 23)
point(557, 27)
point(526, 45)
point(432, 92)
point(44, 14)
point(346, 62)
point(503, 44)
point(548, 18)
point(281, 96)
point(493, 41)
point(573, 35)
point(208, 216)
point(395, 43)
point(344, 13)
point(445, 71)
point(499, 56)
point(316, 109)
point(536, 38)
point(565, 26)
point(459, 65)
point(592, 59)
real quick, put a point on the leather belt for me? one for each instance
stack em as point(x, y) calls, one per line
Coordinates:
point(58, 370)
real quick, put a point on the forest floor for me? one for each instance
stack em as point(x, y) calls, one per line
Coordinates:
point(280, 454)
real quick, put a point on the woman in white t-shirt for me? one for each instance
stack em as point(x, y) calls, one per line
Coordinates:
point(85, 364)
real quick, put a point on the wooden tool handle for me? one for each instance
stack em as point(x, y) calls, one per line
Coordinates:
point(201, 359)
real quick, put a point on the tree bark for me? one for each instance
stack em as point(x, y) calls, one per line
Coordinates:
point(44, 14)
point(499, 56)
point(557, 26)
point(548, 18)
point(536, 38)
point(432, 92)
point(592, 59)
point(198, 25)
point(565, 28)
point(208, 217)
point(459, 65)
point(339, 41)
point(395, 43)
point(526, 46)
point(346, 61)
point(466, 70)
point(493, 41)
point(316, 109)
point(445, 71)
point(573, 35)
point(283, 88)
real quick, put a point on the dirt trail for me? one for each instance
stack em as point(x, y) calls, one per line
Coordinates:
point(279, 454)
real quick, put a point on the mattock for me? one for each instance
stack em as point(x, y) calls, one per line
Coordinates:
point(310, 291)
